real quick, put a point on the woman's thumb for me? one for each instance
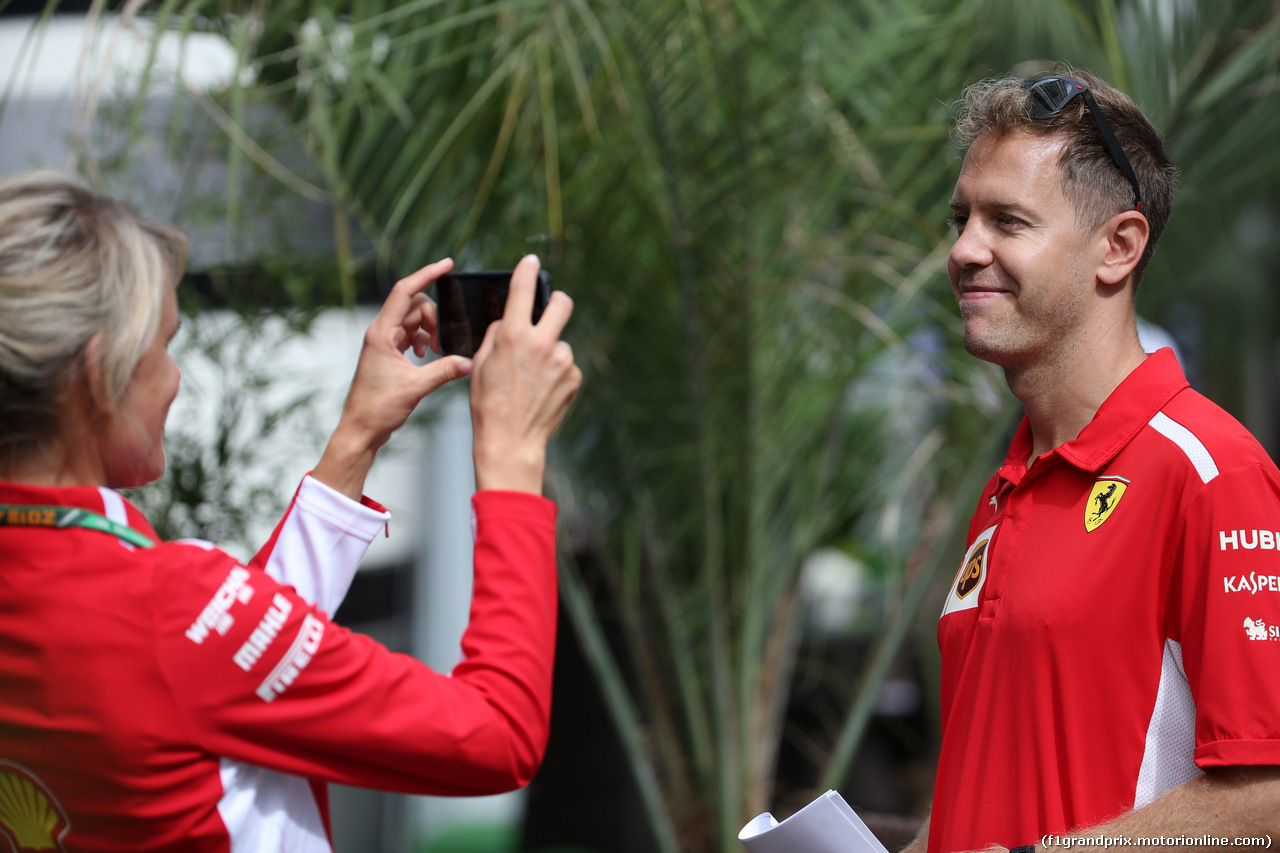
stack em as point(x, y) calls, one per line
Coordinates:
point(442, 370)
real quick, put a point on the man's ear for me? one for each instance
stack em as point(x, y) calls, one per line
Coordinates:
point(1126, 236)
point(94, 382)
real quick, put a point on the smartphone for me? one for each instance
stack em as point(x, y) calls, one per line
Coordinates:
point(469, 301)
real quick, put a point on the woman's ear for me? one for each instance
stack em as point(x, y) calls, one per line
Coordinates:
point(94, 381)
point(1126, 234)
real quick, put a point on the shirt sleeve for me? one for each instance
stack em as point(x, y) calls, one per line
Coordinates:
point(264, 677)
point(319, 543)
point(1225, 612)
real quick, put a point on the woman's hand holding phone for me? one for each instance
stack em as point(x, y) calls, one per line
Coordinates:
point(387, 386)
point(523, 378)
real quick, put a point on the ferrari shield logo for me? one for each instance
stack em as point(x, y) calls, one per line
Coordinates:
point(1103, 501)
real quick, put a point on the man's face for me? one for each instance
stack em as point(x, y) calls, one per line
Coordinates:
point(1019, 266)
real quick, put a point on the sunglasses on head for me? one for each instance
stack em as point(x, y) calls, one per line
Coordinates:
point(1050, 94)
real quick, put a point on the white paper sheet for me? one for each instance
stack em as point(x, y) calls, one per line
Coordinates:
point(826, 825)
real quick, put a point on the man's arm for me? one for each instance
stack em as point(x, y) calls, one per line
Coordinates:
point(1227, 802)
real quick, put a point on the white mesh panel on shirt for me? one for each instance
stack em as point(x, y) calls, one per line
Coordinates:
point(1186, 439)
point(1167, 760)
point(113, 506)
point(268, 811)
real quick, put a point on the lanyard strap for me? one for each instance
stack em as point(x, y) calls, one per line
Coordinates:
point(65, 517)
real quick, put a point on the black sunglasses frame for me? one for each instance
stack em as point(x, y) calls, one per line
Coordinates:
point(1048, 99)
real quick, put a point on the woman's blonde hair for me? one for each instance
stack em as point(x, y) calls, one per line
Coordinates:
point(73, 263)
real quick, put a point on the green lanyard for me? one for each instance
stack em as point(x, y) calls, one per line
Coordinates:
point(64, 517)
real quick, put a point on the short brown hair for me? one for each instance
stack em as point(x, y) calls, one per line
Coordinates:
point(1091, 180)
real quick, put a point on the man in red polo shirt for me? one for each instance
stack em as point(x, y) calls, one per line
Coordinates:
point(1111, 642)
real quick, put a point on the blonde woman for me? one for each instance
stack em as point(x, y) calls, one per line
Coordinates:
point(162, 696)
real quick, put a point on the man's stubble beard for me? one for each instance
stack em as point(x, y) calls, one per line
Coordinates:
point(1028, 336)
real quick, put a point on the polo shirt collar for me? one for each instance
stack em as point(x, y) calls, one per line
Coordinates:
point(1118, 420)
point(92, 498)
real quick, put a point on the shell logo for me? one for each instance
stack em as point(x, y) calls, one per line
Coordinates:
point(30, 818)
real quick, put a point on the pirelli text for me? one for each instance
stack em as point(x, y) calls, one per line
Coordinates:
point(1068, 842)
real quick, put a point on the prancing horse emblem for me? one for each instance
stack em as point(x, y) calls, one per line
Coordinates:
point(1103, 501)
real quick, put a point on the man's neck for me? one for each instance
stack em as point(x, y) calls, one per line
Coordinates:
point(1063, 391)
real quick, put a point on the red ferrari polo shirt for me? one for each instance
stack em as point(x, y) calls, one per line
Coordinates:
point(1114, 625)
point(172, 699)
